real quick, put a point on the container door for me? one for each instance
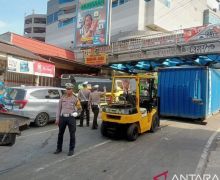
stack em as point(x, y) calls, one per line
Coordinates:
point(182, 92)
point(199, 94)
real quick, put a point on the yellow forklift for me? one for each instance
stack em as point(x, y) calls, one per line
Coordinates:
point(133, 109)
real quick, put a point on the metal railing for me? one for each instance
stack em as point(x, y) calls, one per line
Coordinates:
point(179, 37)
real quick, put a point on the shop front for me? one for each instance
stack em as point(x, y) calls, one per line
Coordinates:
point(63, 62)
point(21, 71)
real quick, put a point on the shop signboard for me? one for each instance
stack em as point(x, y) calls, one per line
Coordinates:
point(93, 23)
point(202, 32)
point(19, 65)
point(190, 33)
point(30, 67)
point(93, 59)
point(44, 69)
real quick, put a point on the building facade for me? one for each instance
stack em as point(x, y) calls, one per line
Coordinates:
point(61, 21)
point(48, 62)
point(158, 15)
point(35, 26)
point(129, 17)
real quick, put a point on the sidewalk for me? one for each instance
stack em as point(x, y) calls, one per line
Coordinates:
point(213, 164)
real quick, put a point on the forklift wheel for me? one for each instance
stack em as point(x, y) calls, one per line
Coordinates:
point(132, 132)
point(155, 123)
point(12, 140)
point(104, 129)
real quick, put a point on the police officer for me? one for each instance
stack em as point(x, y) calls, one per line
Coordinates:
point(66, 113)
point(94, 101)
point(83, 96)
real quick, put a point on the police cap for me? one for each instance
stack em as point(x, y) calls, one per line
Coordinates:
point(69, 86)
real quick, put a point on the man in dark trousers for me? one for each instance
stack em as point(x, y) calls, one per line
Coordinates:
point(94, 101)
point(126, 94)
point(83, 96)
point(66, 113)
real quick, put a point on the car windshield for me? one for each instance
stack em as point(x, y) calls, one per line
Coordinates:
point(14, 94)
point(124, 86)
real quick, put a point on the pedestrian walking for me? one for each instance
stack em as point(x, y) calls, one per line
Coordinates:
point(83, 96)
point(94, 102)
point(66, 113)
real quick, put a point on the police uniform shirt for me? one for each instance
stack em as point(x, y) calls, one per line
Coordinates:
point(83, 95)
point(94, 98)
point(67, 105)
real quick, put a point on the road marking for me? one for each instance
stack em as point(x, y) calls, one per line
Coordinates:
point(42, 132)
point(204, 157)
point(70, 157)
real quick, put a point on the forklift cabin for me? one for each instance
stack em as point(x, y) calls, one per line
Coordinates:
point(133, 109)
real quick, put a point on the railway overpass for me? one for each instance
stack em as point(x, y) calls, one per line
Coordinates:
point(189, 43)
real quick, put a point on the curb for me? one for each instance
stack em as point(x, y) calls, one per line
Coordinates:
point(205, 155)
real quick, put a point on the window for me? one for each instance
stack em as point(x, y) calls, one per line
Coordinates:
point(66, 22)
point(40, 20)
point(28, 21)
point(55, 18)
point(148, 93)
point(115, 3)
point(53, 94)
point(28, 30)
point(121, 1)
point(46, 94)
point(167, 3)
point(39, 30)
point(144, 87)
point(122, 85)
point(148, 88)
point(118, 2)
point(65, 1)
point(50, 19)
point(40, 94)
point(14, 94)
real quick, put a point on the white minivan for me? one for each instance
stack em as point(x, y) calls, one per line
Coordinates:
point(37, 103)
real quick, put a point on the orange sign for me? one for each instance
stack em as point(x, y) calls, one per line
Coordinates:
point(93, 59)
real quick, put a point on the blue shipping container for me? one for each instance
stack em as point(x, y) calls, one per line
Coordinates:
point(189, 92)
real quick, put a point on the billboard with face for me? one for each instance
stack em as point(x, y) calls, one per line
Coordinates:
point(93, 22)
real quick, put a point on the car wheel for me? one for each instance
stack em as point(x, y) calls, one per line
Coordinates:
point(132, 132)
point(41, 119)
point(155, 123)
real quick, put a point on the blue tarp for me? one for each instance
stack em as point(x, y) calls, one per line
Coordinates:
point(152, 65)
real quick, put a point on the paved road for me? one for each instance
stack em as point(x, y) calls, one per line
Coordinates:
point(177, 148)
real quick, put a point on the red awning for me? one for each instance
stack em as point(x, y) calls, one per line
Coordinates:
point(41, 48)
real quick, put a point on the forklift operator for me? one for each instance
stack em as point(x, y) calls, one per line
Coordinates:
point(126, 94)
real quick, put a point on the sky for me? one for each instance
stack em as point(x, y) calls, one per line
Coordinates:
point(12, 13)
